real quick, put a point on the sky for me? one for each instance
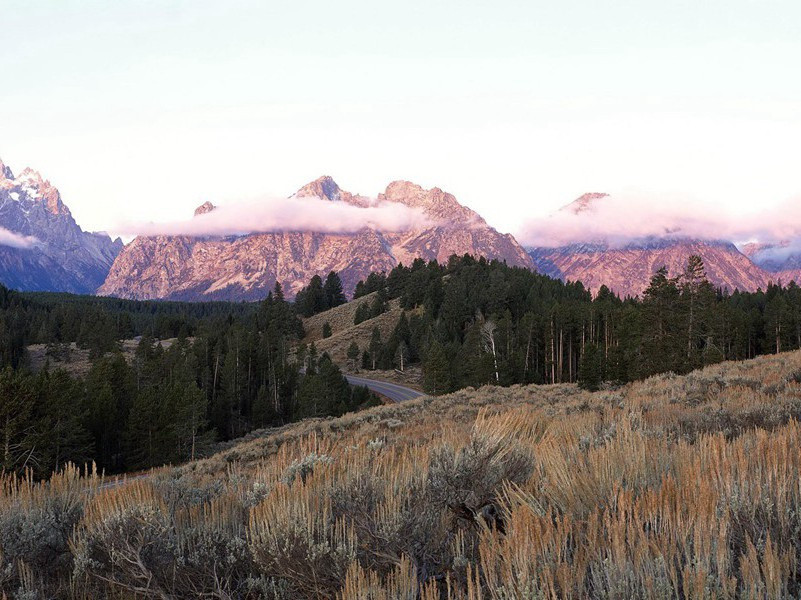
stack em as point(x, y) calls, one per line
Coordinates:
point(141, 111)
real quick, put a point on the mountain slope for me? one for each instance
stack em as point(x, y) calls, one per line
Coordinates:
point(247, 267)
point(54, 253)
point(626, 268)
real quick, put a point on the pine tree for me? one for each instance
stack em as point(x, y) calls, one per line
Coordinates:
point(589, 373)
point(334, 296)
point(362, 314)
point(190, 426)
point(375, 347)
point(312, 298)
point(17, 429)
point(327, 330)
point(436, 370)
point(61, 414)
point(353, 356)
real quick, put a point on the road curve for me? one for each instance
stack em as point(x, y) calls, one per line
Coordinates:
point(393, 391)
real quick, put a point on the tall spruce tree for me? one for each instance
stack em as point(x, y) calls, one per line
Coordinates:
point(334, 295)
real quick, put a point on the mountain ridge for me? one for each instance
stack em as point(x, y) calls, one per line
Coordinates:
point(247, 267)
point(60, 256)
point(627, 266)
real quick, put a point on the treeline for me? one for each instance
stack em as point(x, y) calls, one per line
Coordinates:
point(234, 374)
point(234, 367)
point(98, 323)
point(472, 322)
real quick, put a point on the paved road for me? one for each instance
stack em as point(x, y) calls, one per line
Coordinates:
point(393, 391)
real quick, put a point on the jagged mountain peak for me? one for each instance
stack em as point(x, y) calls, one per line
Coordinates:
point(64, 258)
point(5, 171)
point(435, 202)
point(29, 187)
point(28, 174)
point(323, 187)
point(246, 267)
point(584, 203)
point(204, 208)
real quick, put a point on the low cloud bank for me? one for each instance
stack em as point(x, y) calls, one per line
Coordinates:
point(624, 218)
point(15, 240)
point(269, 215)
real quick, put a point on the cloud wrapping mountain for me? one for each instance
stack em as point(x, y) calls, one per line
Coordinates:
point(623, 218)
point(295, 214)
point(240, 252)
point(15, 240)
point(42, 248)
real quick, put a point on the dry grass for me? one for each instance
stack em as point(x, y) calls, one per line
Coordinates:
point(675, 487)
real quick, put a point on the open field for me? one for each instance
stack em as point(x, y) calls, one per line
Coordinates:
point(674, 487)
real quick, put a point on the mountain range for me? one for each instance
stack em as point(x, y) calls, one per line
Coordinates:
point(43, 248)
point(626, 267)
point(246, 267)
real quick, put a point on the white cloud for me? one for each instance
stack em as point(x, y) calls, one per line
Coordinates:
point(624, 217)
point(15, 240)
point(286, 214)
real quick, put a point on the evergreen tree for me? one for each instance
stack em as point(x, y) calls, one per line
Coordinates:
point(61, 414)
point(589, 374)
point(375, 347)
point(362, 314)
point(353, 355)
point(334, 296)
point(312, 299)
point(327, 330)
point(17, 428)
point(436, 370)
point(189, 424)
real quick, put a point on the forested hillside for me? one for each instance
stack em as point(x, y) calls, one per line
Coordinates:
point(482, 322)
point(235, 367)
point(228, 371)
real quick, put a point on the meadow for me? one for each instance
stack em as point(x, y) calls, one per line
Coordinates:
point(672, 487)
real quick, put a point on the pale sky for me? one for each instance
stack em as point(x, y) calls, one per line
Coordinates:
point(143, 110)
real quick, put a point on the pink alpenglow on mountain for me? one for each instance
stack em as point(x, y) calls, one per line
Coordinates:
point(607, 255)
point(428, 224)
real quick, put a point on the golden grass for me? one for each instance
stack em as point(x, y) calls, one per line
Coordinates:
point(674, 487)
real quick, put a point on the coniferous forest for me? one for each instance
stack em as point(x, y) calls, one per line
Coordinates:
point(235, 367)
point(227, 372)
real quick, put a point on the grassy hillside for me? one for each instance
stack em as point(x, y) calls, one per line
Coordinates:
point(674, 487)
point(344, 332)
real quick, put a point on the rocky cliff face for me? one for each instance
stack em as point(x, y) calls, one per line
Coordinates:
point(247, 267)
point(55, 254)
point(627, 268)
